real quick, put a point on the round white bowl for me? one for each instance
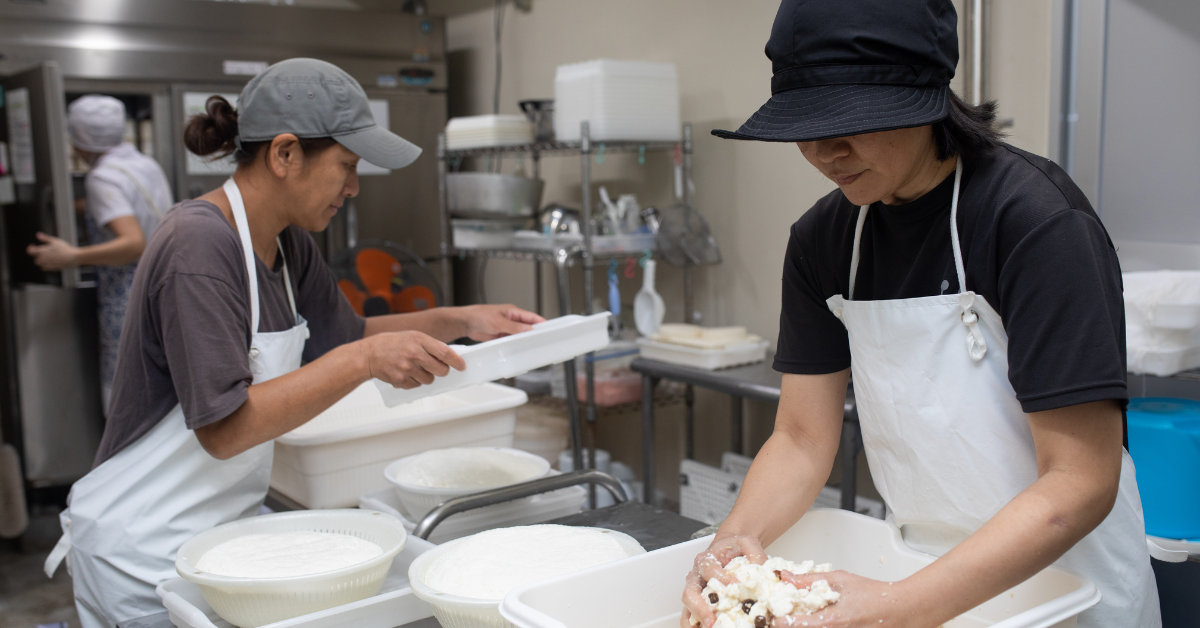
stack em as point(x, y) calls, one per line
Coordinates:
point(456, 611)
point(418, 500)
point(252, 602)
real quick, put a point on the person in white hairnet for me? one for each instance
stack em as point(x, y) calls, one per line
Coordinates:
point(127, 195)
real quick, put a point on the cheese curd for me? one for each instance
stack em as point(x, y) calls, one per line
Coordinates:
point(284, 554)
point(759, 595)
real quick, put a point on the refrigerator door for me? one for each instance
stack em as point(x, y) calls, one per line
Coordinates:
point(57, 353)
point(36, 124)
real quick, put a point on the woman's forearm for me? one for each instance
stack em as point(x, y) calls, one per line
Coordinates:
point(443, 323)
point(1079, 457)
point(116, 252)
point(795, 462)
point(280, 405)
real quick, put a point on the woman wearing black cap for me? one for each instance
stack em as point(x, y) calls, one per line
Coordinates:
point(230, 298)
point(976, 296)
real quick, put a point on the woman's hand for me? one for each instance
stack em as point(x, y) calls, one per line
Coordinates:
point(53, 254)
point(864, 602)
point(407, 359)
point(488, 322)
point(710, 564)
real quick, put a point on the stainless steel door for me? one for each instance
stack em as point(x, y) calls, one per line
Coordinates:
point(50, 387)
point(58, 365)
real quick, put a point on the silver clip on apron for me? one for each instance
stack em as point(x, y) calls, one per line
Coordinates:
point(949, 446)
point(129, 516)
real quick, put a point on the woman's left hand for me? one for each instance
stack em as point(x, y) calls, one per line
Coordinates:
point(53, 254)
point(863, 603)
point(488, 322)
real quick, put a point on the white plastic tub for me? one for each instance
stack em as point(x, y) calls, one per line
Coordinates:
point(341, 454)
point(553, 341)
point(620, 100)
point(649, 586)
point(394, 605)
point(253, 602)
point(709, 359)
point(456, 611)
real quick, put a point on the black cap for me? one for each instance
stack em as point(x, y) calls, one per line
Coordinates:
point(846, 67)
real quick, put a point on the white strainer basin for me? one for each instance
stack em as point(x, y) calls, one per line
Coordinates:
point(253, 602)
point(456, 611)
point(419, 500)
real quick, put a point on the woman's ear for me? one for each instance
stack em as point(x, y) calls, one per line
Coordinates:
point(284, 154)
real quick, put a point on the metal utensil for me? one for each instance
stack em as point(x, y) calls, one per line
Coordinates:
point(556, 219)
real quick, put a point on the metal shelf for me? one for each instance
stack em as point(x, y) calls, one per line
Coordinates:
point(549, 256)
point(569, 148)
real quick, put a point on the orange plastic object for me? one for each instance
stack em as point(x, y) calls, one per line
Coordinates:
point(375, 270)
point(412, 299)
point(353, 295)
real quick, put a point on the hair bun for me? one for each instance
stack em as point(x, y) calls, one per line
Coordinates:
point(213, 132)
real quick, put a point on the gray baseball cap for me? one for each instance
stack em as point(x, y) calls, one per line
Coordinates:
point(311, 98)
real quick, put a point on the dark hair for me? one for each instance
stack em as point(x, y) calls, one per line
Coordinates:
point(969, 130)
point(213, 133)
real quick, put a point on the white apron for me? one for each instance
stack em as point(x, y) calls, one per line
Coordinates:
point(128, 517)
point(949, 446)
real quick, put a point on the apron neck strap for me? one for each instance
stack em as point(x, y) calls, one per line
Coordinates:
point(958, 262)
point(243, 228)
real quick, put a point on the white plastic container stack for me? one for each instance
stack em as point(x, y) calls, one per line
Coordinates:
point(648, 585)
point(620, 100)
point(1162, 321)
point(341, 454)
point(488, 130)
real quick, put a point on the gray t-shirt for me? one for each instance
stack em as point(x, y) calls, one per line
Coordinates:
point(186, 336)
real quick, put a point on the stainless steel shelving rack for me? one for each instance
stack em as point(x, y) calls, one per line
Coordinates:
point(562, 258)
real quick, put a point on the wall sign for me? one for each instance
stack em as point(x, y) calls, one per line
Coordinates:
point(20, 135)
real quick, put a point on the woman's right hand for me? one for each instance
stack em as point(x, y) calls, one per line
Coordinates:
point(407, 359)
point(710, 564)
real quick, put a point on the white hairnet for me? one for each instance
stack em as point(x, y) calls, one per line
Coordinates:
point(96, 123)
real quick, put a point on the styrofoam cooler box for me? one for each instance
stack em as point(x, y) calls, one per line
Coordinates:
point(341, 454)
point(648, 586)
point(620, 100)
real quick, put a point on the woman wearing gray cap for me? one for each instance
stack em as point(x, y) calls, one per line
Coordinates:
point(127, 195)
point(977, 298)
point(230, 299)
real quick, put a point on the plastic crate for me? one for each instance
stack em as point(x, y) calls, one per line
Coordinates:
point(341, 454)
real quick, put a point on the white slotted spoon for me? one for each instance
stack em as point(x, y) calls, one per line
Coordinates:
point(648, 307)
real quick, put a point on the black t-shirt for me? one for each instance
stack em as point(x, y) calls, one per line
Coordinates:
point(1031, 245)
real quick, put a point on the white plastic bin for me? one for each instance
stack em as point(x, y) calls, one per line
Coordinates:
point(553, 341)
point(341, 454)
point(649, 586)
point(620, 100)
point(709, 359)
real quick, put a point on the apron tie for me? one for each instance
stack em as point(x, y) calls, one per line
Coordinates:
point(976, 345)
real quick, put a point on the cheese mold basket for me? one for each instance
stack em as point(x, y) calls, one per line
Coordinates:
point(418, 500)
point(456, 611)
point(395, 605)
point(551, 342)
point(253, 602)
point(649, 586)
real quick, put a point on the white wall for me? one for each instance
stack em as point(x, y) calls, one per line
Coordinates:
point(1151, 167)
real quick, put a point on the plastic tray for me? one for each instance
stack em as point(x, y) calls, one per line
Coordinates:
point(648, 586)
point(395, 604)
point(547, 343)
point(1163, 362)
point(521, 512)
point(733, 355)
point(341, 454)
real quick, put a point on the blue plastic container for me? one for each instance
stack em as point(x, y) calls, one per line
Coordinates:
point(1164, 440)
